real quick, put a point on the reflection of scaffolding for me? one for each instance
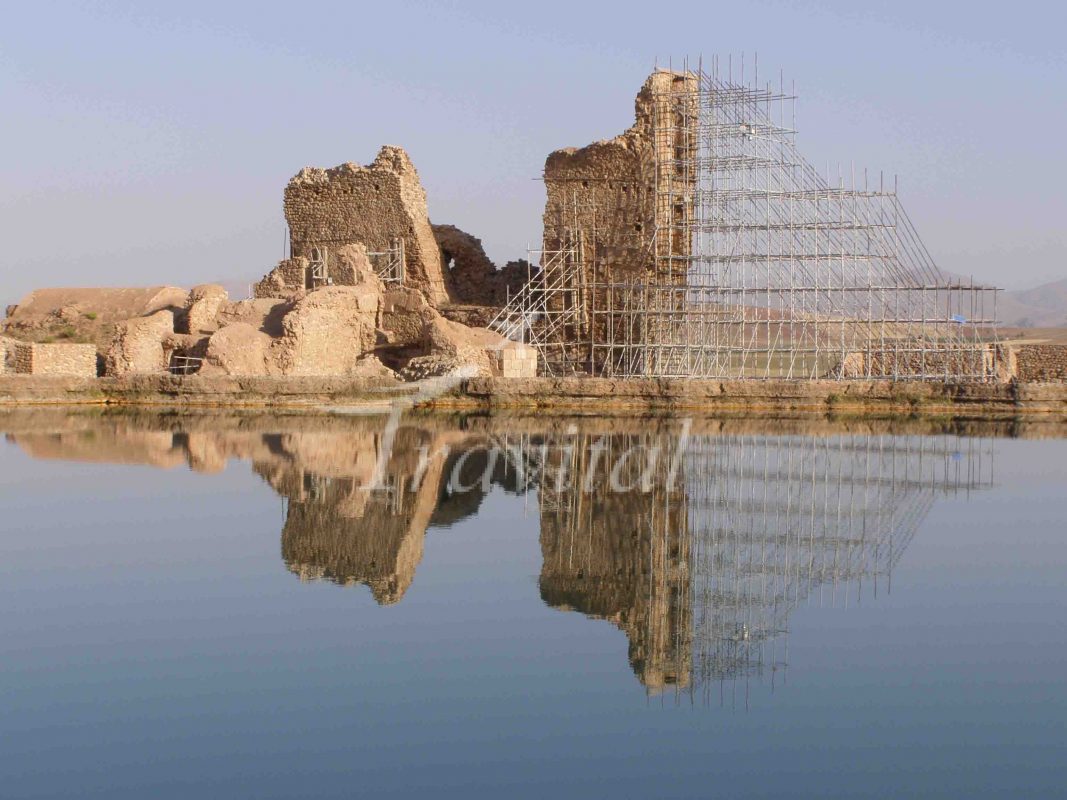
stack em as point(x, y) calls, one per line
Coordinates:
point(774, 520)
point(758, 267)
point(389, 264)
point(703, 573)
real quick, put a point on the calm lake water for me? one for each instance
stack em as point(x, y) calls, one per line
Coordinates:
point(298, 606)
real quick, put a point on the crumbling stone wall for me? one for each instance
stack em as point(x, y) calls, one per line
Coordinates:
point(616, 207)
point(472, 274)
point(287, 279)
point(370, 205)
point(7, 355)
point(474, 279)
point(1044, 363)
point(980, 359)
point(140, 345)
point(606, 193)
point(33, 358)
point(605, 177)
point(202, 309)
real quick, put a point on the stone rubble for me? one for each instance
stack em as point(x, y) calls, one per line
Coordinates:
point(336, 317)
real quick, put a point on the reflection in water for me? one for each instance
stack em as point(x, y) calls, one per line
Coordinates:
point(697, 542)
point(703, 571)
point(338, 530)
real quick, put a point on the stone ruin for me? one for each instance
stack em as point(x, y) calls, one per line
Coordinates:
point(371, 290)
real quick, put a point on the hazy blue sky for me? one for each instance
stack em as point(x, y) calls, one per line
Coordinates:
point(151, 144)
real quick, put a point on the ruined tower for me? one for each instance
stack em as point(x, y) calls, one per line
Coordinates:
point(381, 206)
point(701, 244)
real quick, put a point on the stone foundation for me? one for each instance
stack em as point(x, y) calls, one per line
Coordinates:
point(547, 396)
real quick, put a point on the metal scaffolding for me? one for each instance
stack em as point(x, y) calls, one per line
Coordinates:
point(757, 265)
point(389, 264)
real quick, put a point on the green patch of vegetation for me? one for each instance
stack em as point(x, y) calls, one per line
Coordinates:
point(89, 315)
point(67, 332)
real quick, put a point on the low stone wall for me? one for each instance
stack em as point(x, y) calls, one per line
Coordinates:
point(1041, 363)
point(971, 361)
point(549, 396)
point(197, 390)
point(34, 358)
point(598, 395)
point(515, 361)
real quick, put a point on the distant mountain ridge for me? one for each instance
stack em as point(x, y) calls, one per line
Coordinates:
point(1044, 306)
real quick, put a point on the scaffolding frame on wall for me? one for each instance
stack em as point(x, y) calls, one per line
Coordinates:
point(389, 264)
point(758, 266)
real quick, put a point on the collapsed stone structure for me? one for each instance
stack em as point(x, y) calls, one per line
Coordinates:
point(374, 206)
point(368, 291)
point(367, 286)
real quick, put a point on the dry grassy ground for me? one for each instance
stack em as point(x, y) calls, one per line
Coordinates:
point(1034, 335)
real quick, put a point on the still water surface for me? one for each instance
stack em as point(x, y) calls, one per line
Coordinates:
point(251, 606)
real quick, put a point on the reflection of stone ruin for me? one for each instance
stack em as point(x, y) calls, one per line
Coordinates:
point(619, 555)
point(699, 243)
point(703, 571)
point(698, 548)
point(359, 499)
point(336, 530)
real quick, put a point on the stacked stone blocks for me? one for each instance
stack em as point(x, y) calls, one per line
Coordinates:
point(36, 358)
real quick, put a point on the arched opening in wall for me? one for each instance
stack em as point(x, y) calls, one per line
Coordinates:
point(448, 261)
